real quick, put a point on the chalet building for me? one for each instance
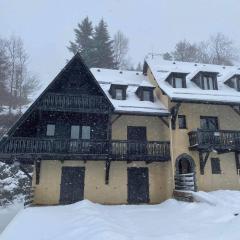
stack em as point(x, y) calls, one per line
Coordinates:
point(117, 137)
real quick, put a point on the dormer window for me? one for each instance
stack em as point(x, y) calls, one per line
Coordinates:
point(208, 83)
point(177, 80)
point(206, 80)
point(145, 93)
point(119, 94)
point(118, 91)
point(234, 82)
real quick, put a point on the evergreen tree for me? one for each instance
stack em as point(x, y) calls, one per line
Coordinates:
point(104, 56)
point(84, 41)
point(139, 67)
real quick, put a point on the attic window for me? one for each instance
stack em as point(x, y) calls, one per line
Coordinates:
point(206, 80)
point(208, 83)
point(234, 82)
point(119, 94)
point(146, 95)
point(177, 80)
point(118, 91)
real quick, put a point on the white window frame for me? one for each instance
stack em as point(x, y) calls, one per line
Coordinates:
point(50, 130)
point(86, 130)
point(177, 81)
point(146, 97)
point(75, 132)
point(119, 93)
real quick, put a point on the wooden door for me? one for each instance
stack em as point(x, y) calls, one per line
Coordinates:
point(72, 184)
point(138, 185)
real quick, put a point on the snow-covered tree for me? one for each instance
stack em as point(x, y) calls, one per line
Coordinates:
point(103, 56)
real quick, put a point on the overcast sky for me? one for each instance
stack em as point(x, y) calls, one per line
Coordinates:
point(46, 26)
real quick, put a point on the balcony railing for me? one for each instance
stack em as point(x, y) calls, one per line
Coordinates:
point(75, 103)
point(88, 149)
point(221, 140)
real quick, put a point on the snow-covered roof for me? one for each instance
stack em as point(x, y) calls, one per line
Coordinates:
point(133, 79)
point(161, 69)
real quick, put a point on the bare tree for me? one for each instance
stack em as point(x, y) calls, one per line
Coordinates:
point(185, 51)
point(219, 49)
point(222, 50)
point(19, 78)
point(120, 47)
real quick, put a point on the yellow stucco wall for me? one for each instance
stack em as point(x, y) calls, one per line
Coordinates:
point(228, 120)
point(156, 130)
point(48, 190)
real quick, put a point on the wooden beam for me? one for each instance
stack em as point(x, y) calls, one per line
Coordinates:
point(203, 161)
point(107, 170)
point(237, 161)
point(37, 170)
point(174, 112)
point(164, 121)
point(114, 120)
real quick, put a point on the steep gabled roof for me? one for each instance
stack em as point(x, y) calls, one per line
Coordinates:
point(161, 69)
point(76, 57)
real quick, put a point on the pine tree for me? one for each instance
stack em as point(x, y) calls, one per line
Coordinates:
point(84, 41)
point(139, 67)
point(104, 56)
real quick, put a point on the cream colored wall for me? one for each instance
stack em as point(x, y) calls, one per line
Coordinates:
point(156, 130)
point(48, 190)
point(228, 120)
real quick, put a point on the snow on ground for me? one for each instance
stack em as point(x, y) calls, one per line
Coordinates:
point(7, 213)
point(167, 221)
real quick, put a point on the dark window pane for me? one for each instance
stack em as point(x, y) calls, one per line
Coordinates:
point(146, 95)
point(182, 121)
point(215, 163)
point(209, 123)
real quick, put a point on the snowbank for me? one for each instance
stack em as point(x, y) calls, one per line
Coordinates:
point(167, 221)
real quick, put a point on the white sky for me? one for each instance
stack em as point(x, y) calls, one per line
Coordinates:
point(46, 26)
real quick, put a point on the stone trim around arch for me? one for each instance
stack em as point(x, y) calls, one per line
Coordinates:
point(185, 156)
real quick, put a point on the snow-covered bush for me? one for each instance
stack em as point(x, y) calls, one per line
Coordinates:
point(14, 184)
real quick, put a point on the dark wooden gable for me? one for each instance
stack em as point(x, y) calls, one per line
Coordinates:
point(75, 78)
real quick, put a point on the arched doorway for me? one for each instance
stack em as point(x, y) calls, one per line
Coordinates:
point(185, 173)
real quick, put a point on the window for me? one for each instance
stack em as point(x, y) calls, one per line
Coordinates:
point(75, 131)
point(86, 132)
point(119, 94)
point(50, 130)
point(208, 83)
point(182, 122)
point(209, 123)
point(146, 95)
point(215, 163)
point(178, 82)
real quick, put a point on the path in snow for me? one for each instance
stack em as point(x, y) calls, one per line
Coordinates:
point(167, 221)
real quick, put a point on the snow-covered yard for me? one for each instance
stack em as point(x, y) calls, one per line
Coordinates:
point(218, 218)
point(7, 213)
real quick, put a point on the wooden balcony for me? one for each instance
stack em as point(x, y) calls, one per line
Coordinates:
point(67, 149)
point(220, 140)
point(73, 103)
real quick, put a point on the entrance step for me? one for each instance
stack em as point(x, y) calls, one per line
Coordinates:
point(186, 196)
